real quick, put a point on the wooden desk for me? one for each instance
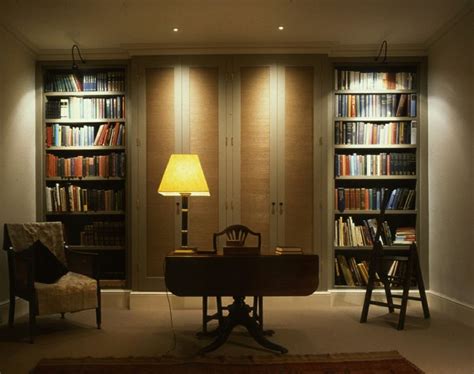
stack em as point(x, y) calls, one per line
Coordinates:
point(240, 276)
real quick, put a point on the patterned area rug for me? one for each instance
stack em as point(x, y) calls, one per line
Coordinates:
point(340, 363)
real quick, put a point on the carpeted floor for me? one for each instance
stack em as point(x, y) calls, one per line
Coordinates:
point(344, 363)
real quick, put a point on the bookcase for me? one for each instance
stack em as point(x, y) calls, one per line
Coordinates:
point(375, 132)
point(84, 162)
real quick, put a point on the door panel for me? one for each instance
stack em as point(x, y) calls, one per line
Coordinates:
point(298, 157)
point(160, 144)
point(255, 120)
point(204, 141)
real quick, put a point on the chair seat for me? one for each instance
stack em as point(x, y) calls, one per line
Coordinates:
point(71, 293)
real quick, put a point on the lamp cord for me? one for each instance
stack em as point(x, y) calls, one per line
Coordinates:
point(173, 346)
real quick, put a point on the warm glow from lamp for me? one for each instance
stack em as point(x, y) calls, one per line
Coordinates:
point(183, 176)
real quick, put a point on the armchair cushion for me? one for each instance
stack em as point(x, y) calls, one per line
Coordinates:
point(48, 269)
point(71, 293)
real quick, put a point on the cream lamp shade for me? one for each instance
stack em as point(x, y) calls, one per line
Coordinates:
point(183, 176)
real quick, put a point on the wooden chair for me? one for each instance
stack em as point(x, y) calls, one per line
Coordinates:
point(378, 272)
point(78, 289)
point(236, 235)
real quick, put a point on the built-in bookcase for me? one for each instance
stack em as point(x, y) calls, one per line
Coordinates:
point(375, 130)
point(85, 151)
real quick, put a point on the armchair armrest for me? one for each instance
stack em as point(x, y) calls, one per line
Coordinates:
point(21, 270)
point(83, 262)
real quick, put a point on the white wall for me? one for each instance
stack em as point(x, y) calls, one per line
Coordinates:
point(450, 143)
point(17, 140)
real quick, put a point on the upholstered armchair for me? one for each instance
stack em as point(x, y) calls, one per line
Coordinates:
point(44, 272)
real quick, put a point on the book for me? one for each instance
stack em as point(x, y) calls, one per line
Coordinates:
point(280, 250)
point(346, 272)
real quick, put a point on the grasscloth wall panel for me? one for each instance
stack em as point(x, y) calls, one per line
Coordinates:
point(204, 141)
point(299, 157)
point(255, 150)
point(160, 139)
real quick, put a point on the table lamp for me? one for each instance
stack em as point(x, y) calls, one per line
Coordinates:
point(184, 177)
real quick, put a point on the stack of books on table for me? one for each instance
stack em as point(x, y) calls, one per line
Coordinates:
point(284, 250)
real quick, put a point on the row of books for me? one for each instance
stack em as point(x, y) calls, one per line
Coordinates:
point(375, 164)
point(382, 105)
point(371, 199)
point(375, 133)
point(79, 136)
point(362, 80)
point(103, 233)
point(110, 134)
point(347, 271)
point(73, 198)
point(86, 107)
point(69, 82)
point(348, 234)
point(111, 165)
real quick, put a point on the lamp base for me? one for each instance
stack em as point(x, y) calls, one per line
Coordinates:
point(185, 249)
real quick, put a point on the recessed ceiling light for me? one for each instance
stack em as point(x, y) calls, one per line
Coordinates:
point(175, 29)
point(280, 28)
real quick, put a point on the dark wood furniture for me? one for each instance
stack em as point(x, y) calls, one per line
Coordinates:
point(240, 276)
point(21, 271)
point(410, 276)
point(236, 236)
point(378, 272)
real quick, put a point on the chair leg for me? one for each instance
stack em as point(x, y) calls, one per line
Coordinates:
point(11, 311)
point(368, 291)
point(220, 315)
point(32, 322)
point(98, 317)
point(204, 314)
point(406, 291)
point(421, 288)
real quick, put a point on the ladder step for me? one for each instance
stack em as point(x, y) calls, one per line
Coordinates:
point(380, 303)
point(409, 297)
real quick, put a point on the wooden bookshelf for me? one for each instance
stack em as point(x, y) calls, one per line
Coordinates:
point(100, 98)
point(376, 116)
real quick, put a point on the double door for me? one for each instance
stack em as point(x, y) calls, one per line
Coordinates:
point(252, 121)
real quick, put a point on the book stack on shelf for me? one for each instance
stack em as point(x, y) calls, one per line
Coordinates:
point(375, 124)
point(85, 161)
point(286, 250)
point(405, 235)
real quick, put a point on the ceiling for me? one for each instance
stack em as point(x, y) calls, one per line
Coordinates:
point(138, 26)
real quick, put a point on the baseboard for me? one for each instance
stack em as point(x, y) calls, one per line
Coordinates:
point(136, 300)
point(455, 309)
point(21, 309)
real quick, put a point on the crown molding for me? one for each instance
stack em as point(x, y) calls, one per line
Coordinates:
point(126, 51)
point(444, 29)
point(87, 54)
point(21, 39)
point(371, 50)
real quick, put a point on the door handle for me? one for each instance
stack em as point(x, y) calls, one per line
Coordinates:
point(273, 207)
point(281, 208)
point(177, 208)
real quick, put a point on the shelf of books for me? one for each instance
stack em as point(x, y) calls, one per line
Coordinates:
point(375, 130)
point(85, 153)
